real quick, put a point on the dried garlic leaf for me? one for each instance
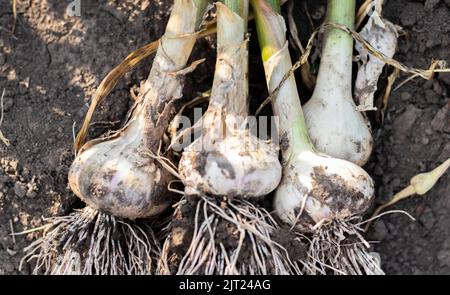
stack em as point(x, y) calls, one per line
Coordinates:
point(382, 35)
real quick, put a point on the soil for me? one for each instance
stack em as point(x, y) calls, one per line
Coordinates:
point(52, 64)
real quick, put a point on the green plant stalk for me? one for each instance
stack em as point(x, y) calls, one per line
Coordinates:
point(201, 5)
point(275, 5)
point(337, 54)
point(238, 6)
point(272, 39)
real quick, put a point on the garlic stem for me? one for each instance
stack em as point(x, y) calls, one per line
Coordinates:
point(231, 29)
point(162, 85)
point(240, 7)
point(201, 5)
point(337, 55)
point(275, 4)
point(272, 38)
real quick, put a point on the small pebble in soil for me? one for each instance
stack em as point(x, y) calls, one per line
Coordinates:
point(12, 75)
point(430, 4)
point(14, 165)
point(24, 85)
point(422, 166)
point(380, 231)
point(405, 121)
point(11, 252)
point(442, 118)
point(444, 258)
point(445, 77)
point(20, 189)
point(31, 193)
point(405, 96)
point(409, 15)
point(427, 218)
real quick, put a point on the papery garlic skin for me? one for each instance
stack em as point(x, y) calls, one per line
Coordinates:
point(119, 174)
point(228, 160)
point(319, 188)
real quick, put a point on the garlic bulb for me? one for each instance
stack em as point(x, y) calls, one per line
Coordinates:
point(238, 165)
point(319, 196)
point(118, 174)
point(317, 188)
point(335, 126)
point(227, 159)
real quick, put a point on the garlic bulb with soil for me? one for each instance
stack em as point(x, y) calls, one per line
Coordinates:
point(335, 126)
point(316, 188)
point(117, 174)
point(318, 194)
point(119, 177)
point(227, 160)
point(219, 227)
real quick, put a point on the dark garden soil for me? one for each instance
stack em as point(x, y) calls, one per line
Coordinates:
point(53, 63)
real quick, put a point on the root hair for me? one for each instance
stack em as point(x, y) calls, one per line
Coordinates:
point(338, 247)
point(89, 241)
point(209, 254)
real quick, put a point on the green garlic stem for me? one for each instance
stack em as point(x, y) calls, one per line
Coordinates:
point(201, 6)
point(238, 6)
point(337, 54)
point(271, 39)
point(286, 105)
point(275, 4)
